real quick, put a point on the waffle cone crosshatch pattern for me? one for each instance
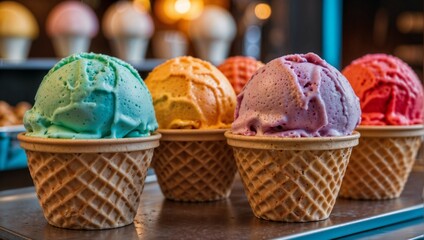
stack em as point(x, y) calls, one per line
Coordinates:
point(194, 165)
point(292, 179)
point(88, 184)
point(380, 165)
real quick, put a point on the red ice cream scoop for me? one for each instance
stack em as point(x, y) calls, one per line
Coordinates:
point(239, 70)
point(390, 92)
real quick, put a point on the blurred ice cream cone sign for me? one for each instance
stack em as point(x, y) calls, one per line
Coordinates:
point(169, 44)
point(129, 27)
point(71, 25)
point(212, 29)
point(212, 34)
point(254, 17)
point(18, 28)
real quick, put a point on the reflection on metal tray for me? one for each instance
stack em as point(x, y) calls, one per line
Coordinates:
point(12, 156)
point(157, 218)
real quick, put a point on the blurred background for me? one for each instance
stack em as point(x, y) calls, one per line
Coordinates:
point(146, 33)
point(338, 30)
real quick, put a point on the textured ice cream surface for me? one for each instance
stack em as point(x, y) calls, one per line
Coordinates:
point(389, 91)
point(239, 70)
point(189, 93)
point(297, 95)
point(72, 18)
point(90, 96)
point(17, 21)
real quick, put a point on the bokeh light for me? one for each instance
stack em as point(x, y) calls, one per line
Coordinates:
point(171, 11)
point(182, 6)
point(262, 11)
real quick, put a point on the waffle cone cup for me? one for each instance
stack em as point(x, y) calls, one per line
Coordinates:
point(380, 165)
point(194, 165)
point(292, 179)
point(89, 184)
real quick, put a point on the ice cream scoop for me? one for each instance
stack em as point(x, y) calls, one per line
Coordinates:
point(17, 27)
point(389, 91)
point(297, 95)
point(294, 121)
point(190, 93)
point(194, 104)
point(91, 95)
point(129, 29)
point(89, 142)
point(392, 103)
point(72, 18)
point(239, 70)
point(71, 25)
point(212, 33)
point(16, 20)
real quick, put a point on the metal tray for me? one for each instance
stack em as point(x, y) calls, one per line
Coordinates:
point(157, 218)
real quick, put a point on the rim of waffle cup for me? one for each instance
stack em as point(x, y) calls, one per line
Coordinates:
point(192, 134)
point(60, 145)
point(387, 131)
point(292, 143)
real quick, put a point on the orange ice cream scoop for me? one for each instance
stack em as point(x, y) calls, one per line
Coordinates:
point(17, 21)
point(189, 93)
point(239, 70)
point(388, 89)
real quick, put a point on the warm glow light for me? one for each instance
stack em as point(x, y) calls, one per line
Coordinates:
point(182, 6)
point(262, 11)
point(196, 8)
point(143, 5)
point(171, 11)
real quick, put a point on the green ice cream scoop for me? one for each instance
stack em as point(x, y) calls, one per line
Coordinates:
point(90, 96)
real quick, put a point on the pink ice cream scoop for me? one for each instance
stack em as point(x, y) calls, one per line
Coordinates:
point(389, 91)
point(72, 18)
point(297, 95)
